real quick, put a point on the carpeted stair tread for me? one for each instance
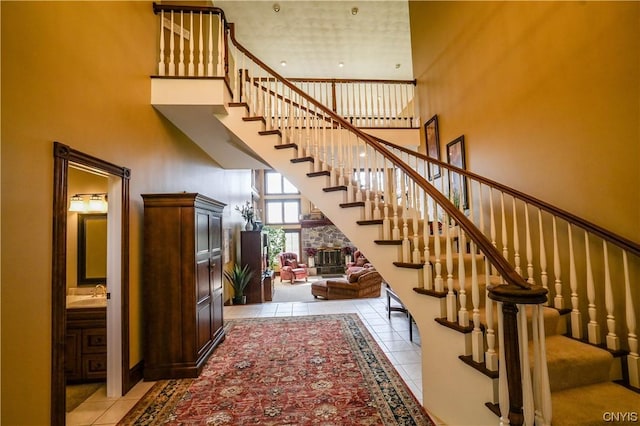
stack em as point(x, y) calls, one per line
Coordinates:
point(466, 257)
point(589, 405)
point(572, 363)
point(551, 319)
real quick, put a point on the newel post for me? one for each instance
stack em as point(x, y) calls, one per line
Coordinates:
point(511, 296)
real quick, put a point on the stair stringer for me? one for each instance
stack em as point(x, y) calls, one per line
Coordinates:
point(448, 383)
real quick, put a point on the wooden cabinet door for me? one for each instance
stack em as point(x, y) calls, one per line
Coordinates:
point(73, 355)
point(203, 280)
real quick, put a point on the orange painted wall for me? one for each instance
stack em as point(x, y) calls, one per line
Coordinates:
point(547, 95)
point(78, 73)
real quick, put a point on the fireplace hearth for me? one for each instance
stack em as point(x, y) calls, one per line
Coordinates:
point(329, 260)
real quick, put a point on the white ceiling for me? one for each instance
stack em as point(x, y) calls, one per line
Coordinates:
point(313, 37)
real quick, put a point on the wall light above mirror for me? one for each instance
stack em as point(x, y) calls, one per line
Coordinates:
point(89, 203)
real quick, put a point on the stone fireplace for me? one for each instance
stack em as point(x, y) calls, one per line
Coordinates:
point(328, 240)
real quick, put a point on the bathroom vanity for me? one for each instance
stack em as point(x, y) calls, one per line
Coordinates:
point(86, 344)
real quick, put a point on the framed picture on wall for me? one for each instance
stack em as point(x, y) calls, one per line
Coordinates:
point(433, 146)
point(457, 182)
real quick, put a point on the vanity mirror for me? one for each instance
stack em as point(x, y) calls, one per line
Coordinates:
point(92, 248)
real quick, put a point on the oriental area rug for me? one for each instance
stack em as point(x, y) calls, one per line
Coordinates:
point(307, 370)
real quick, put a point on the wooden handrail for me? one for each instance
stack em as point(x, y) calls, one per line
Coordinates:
point(501, 264)
point(186, 8)
point(620, 241)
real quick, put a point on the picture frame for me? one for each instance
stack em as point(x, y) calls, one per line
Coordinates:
point(432, 141)
point(457, 182)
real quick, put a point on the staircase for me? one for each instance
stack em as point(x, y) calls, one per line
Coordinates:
point(474, 303)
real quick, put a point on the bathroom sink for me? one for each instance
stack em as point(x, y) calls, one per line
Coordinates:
point(86, 302)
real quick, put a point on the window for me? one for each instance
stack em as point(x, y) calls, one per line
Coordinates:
point(282, 211)
point(275, 183)
point(292, 241)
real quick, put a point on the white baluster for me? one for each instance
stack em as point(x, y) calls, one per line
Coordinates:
point(481, 208)
point(210, 48)
point(477, 343)
point(593, 328)
point(427, 269)
point(333, 173)
point(505, 238)
point(529, 246)
point(463, 314)
point(576, 316)
point(220, 47)
point(201, 49)
point(541, 386)
point(451, 297)
point(633, 358)
point(161, 64)
point(503, 384)
point(491, 357)
point(544, 279)
point(406, 244)
point(368, 184)
point(378, 185)
point(191, 69)
point(395, 233)
point(438, 281)
point(613, 341)
point(416, 219)
point(516, 240)
point(172, 64)
point(492, 219)
point(396, 107)
point(525, 367)
point(181, 61)
point(558, 301)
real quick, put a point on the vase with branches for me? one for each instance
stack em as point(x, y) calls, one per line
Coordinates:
point(311, 256)
point(247, 212)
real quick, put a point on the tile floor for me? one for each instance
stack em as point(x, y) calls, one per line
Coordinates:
point(392, 336)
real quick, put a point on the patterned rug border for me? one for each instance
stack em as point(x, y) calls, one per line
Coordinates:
point(397, 404)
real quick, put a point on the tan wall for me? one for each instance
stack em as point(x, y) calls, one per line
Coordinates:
point(78, 73)
point(546, 94)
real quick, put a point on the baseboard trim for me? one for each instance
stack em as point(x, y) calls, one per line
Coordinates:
point(135, 375)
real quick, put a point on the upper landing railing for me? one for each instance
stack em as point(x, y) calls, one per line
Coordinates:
point(193, 44)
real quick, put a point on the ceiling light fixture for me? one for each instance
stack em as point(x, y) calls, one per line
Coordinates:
point(354, 11)
point(283, 63)
point(397, 66)
point(276, 7)
point(341, 64)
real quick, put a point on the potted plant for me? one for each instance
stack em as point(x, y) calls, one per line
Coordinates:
point(239, 278)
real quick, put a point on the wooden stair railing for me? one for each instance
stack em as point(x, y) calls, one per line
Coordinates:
point(619, 264)
point(392, 191)
point(344, 150)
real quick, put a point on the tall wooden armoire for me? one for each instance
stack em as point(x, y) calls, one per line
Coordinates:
point(182, 283)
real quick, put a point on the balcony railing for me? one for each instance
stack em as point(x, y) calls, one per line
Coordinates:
point(192, 44)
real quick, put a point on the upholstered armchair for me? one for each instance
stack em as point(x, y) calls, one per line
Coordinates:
point(290, 269)
point(359, 262)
